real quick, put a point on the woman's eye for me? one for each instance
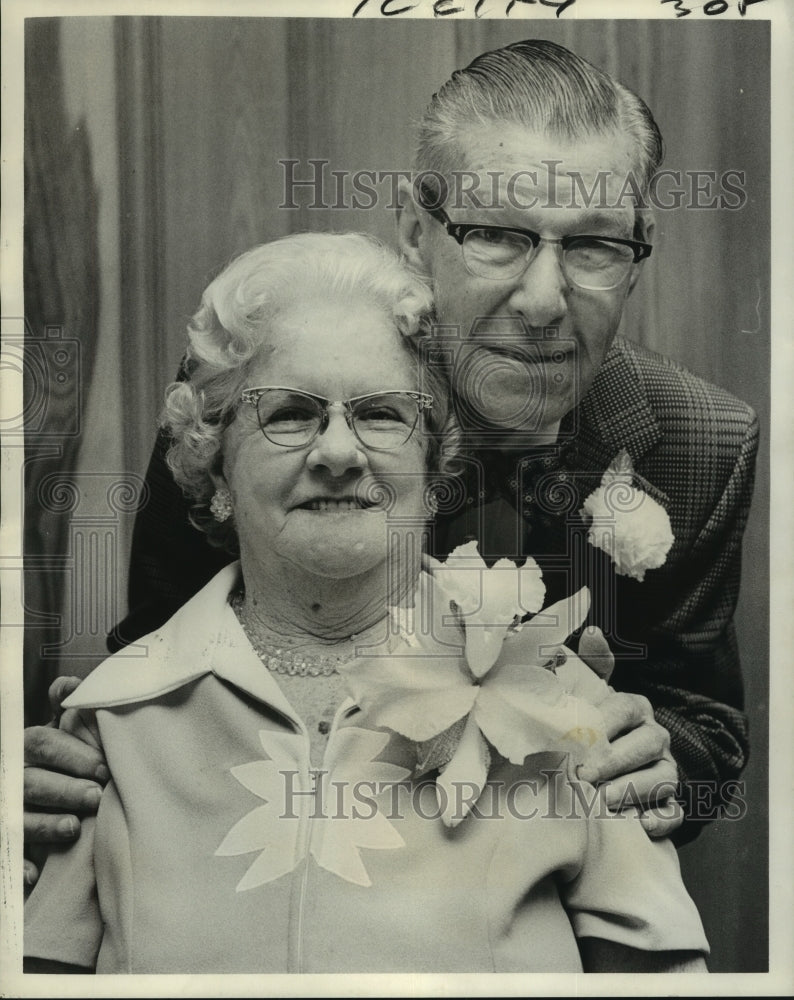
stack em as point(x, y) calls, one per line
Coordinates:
point(289, 414)
point(381, 413)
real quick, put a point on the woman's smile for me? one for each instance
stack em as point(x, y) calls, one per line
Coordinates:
point(337, 505)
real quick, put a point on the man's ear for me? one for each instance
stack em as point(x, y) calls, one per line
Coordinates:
point(644, 226)
point(411, 236)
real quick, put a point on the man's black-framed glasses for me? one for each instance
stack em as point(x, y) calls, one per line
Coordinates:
point(381, 421)
point(597, 263)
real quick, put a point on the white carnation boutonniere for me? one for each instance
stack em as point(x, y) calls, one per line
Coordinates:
point(511, 691)
point(626, 522)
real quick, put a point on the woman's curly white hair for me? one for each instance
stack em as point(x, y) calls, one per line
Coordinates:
point(232, 324)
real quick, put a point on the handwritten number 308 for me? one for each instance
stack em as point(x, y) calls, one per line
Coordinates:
point(712, 7)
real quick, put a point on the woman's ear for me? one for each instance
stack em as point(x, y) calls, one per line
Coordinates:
point(410, 232)
point(218, 480)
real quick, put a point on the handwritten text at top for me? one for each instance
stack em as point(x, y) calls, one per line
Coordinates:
point(481, 8)
point(444, 8)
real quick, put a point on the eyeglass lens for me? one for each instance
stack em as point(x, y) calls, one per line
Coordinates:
point(590, 263)
point(381, 422)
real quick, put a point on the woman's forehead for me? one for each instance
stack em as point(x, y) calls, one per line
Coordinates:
point(323, 339)
point(318, 314)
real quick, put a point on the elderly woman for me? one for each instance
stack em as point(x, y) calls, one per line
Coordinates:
point(259, 819)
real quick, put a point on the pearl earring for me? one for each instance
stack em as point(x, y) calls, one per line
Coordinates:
point(221, 504)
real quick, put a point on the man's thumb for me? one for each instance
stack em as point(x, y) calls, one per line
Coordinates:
point(595, 651)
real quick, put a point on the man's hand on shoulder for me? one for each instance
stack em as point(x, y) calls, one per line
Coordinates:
point(63, 780)
point(637, 771)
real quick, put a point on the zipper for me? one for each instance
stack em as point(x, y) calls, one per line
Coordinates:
point(298, 893)
point(307, 827)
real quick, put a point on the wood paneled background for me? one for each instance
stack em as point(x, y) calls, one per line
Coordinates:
point(186, 120)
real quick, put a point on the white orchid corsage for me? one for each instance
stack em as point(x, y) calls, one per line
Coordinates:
point(512, 690)
point(626, 522)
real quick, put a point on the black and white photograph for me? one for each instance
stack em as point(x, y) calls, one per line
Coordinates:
point(396, 460)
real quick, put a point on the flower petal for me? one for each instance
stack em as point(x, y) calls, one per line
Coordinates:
point(626, 522)
point(531, 588)
point(501, 597)
point(489, 600)
point(483, 647)
point(434, 753)
point(336, 844)
point(581, 681)
point(493, 595)
point(461, 577)
point(271, 864)
point(354, 759)
point(461, 782)
point(417, 696)
point(467, 554)
point(524, 710)
point(262, 777)
point(254, 832)
point(536, 641)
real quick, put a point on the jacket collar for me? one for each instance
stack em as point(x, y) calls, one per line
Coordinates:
point(182, 651)
point(203, 637)
point(615, 414)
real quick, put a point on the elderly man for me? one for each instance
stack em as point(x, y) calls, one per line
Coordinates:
point(527, 214)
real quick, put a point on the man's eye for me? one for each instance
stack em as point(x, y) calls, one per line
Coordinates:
point(600, 250)
point(497, 241)
point(589, 243)
point(494, 236)
point(502, 239)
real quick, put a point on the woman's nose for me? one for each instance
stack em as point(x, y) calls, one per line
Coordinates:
point(337, 448)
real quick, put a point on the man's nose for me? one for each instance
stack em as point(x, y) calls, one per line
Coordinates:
point(540, 294)
point(337, 448)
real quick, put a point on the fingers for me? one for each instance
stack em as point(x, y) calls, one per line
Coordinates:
point(635, 772)
point(46, 828)
point(595, 651)
point(58, 750)
point(663, 819)
point(636, 767)
point(623, 712)
point(59, 791)
point(58, 774)
point(630, 754)
point(61, 688)
point(646, 788)
point(659, 820)
point(30, 875)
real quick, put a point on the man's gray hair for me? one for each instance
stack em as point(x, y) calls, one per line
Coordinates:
point(544, 87)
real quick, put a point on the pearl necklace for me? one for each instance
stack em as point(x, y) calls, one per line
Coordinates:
point(287, 661)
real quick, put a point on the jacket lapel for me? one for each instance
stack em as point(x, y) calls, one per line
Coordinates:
point(203, 637)
point(615, 414)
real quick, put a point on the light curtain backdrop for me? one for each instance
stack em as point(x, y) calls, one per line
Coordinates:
point(180, 124)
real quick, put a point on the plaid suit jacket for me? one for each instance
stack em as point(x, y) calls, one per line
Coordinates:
point(694, 447)
point(693, 444)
